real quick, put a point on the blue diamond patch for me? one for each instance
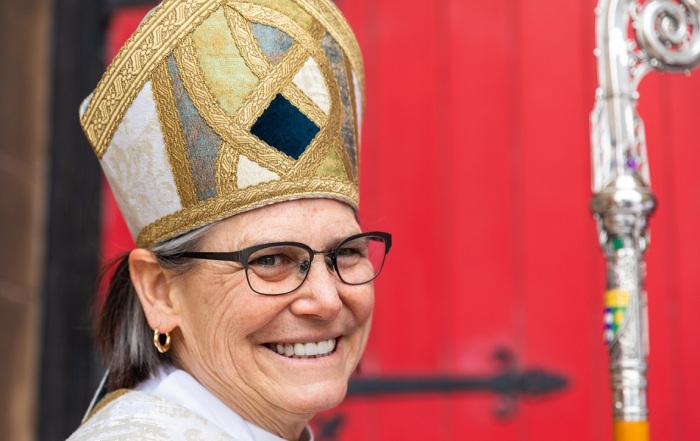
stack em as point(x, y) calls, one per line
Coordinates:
point(285, 128)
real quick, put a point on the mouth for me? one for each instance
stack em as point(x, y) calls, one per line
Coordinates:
point(318, 349)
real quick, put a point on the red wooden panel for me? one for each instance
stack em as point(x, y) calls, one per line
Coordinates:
point(477, 219)
point(667, 108)
point(684, 204)
point(408, 339)
point(561, 268)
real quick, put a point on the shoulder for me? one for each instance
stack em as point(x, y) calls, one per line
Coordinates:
point(137, 415)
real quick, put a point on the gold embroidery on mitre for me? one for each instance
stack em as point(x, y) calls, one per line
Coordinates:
point(221, 62)
point(223, 124)
point(305, 104)
point(259, 14)
point(283, 73)
point(339, 147)
point(173, 136)
point(258, 100)
point(330, 17)
point(226, 166)
point(257, 62)
point(280, 75)
point(130, 69)
point(247, 45)
point(250, 173)
point(332, 165)
point(313, 156)
point(332, 142)
point(260, 195)
point(316, 173)
point(288, 8)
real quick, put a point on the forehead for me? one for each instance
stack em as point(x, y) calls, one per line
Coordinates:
point(312, 221)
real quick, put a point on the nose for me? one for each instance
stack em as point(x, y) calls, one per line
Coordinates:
point(318, 296)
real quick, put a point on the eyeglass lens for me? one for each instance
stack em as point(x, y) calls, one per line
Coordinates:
point(281, 269)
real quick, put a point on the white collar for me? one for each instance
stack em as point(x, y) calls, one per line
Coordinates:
point(180, 387)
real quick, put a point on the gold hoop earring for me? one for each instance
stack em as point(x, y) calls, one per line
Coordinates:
point(162, 347)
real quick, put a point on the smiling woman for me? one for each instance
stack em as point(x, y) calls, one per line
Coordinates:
point(228, 131)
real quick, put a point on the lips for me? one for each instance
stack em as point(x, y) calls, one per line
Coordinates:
point(318, 349)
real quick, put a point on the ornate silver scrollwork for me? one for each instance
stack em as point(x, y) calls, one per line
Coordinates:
point(632, 39)
point(668, 33)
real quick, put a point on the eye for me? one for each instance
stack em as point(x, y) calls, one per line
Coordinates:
point(354, 249)
point(269, 260)
point(346, 251)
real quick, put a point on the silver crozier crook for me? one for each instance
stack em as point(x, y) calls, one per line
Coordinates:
point(632, 38)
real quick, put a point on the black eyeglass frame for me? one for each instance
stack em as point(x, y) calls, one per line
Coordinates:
point(241, 257)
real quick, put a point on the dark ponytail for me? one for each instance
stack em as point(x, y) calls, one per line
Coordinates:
point(124, 339)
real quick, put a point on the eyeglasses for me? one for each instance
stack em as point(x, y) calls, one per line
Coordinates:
point(281, 267)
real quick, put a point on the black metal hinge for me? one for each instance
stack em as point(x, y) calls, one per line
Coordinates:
point(510, 383)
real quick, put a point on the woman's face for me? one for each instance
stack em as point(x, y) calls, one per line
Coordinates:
point(227, 334)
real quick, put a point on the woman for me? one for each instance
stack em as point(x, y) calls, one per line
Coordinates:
point(228, 132)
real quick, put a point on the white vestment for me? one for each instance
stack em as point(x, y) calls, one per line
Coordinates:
point(170, 406)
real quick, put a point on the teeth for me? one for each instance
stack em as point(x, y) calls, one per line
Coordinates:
point(305, 350)
point(310, 349)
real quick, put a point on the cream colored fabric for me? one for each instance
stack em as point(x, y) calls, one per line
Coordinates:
point(139, 173)
point(310, 80)
point(249, 173)
point(171, 405)
point(141, 416)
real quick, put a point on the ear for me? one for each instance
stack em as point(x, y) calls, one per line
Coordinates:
point(154, 290)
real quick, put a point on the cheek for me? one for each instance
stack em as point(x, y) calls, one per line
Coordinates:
point(366, 300)
point(360, 301)
point(209, 319)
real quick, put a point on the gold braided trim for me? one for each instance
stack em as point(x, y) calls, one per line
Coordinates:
point(314, 155)
point(217, 118)
point(316, 152)
point(226, 170)
point(259, 99)
point(278, 77)
point(143, 51)
point(307, 106)
point(259, 65)
point(331, 18)
point(108, 399)
point(246, 42)
point(331, 142)
point(172, 134)
point(256, 60)
point(244, 200)
point(260, 14)
point(339, 147)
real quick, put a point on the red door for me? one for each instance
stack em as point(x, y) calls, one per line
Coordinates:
point(476, 157)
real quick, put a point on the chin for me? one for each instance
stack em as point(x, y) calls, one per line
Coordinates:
point(318, 397)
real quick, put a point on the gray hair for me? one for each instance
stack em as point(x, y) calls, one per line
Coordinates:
point(124, 338)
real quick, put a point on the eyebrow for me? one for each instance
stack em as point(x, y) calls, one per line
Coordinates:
point(332, 243)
